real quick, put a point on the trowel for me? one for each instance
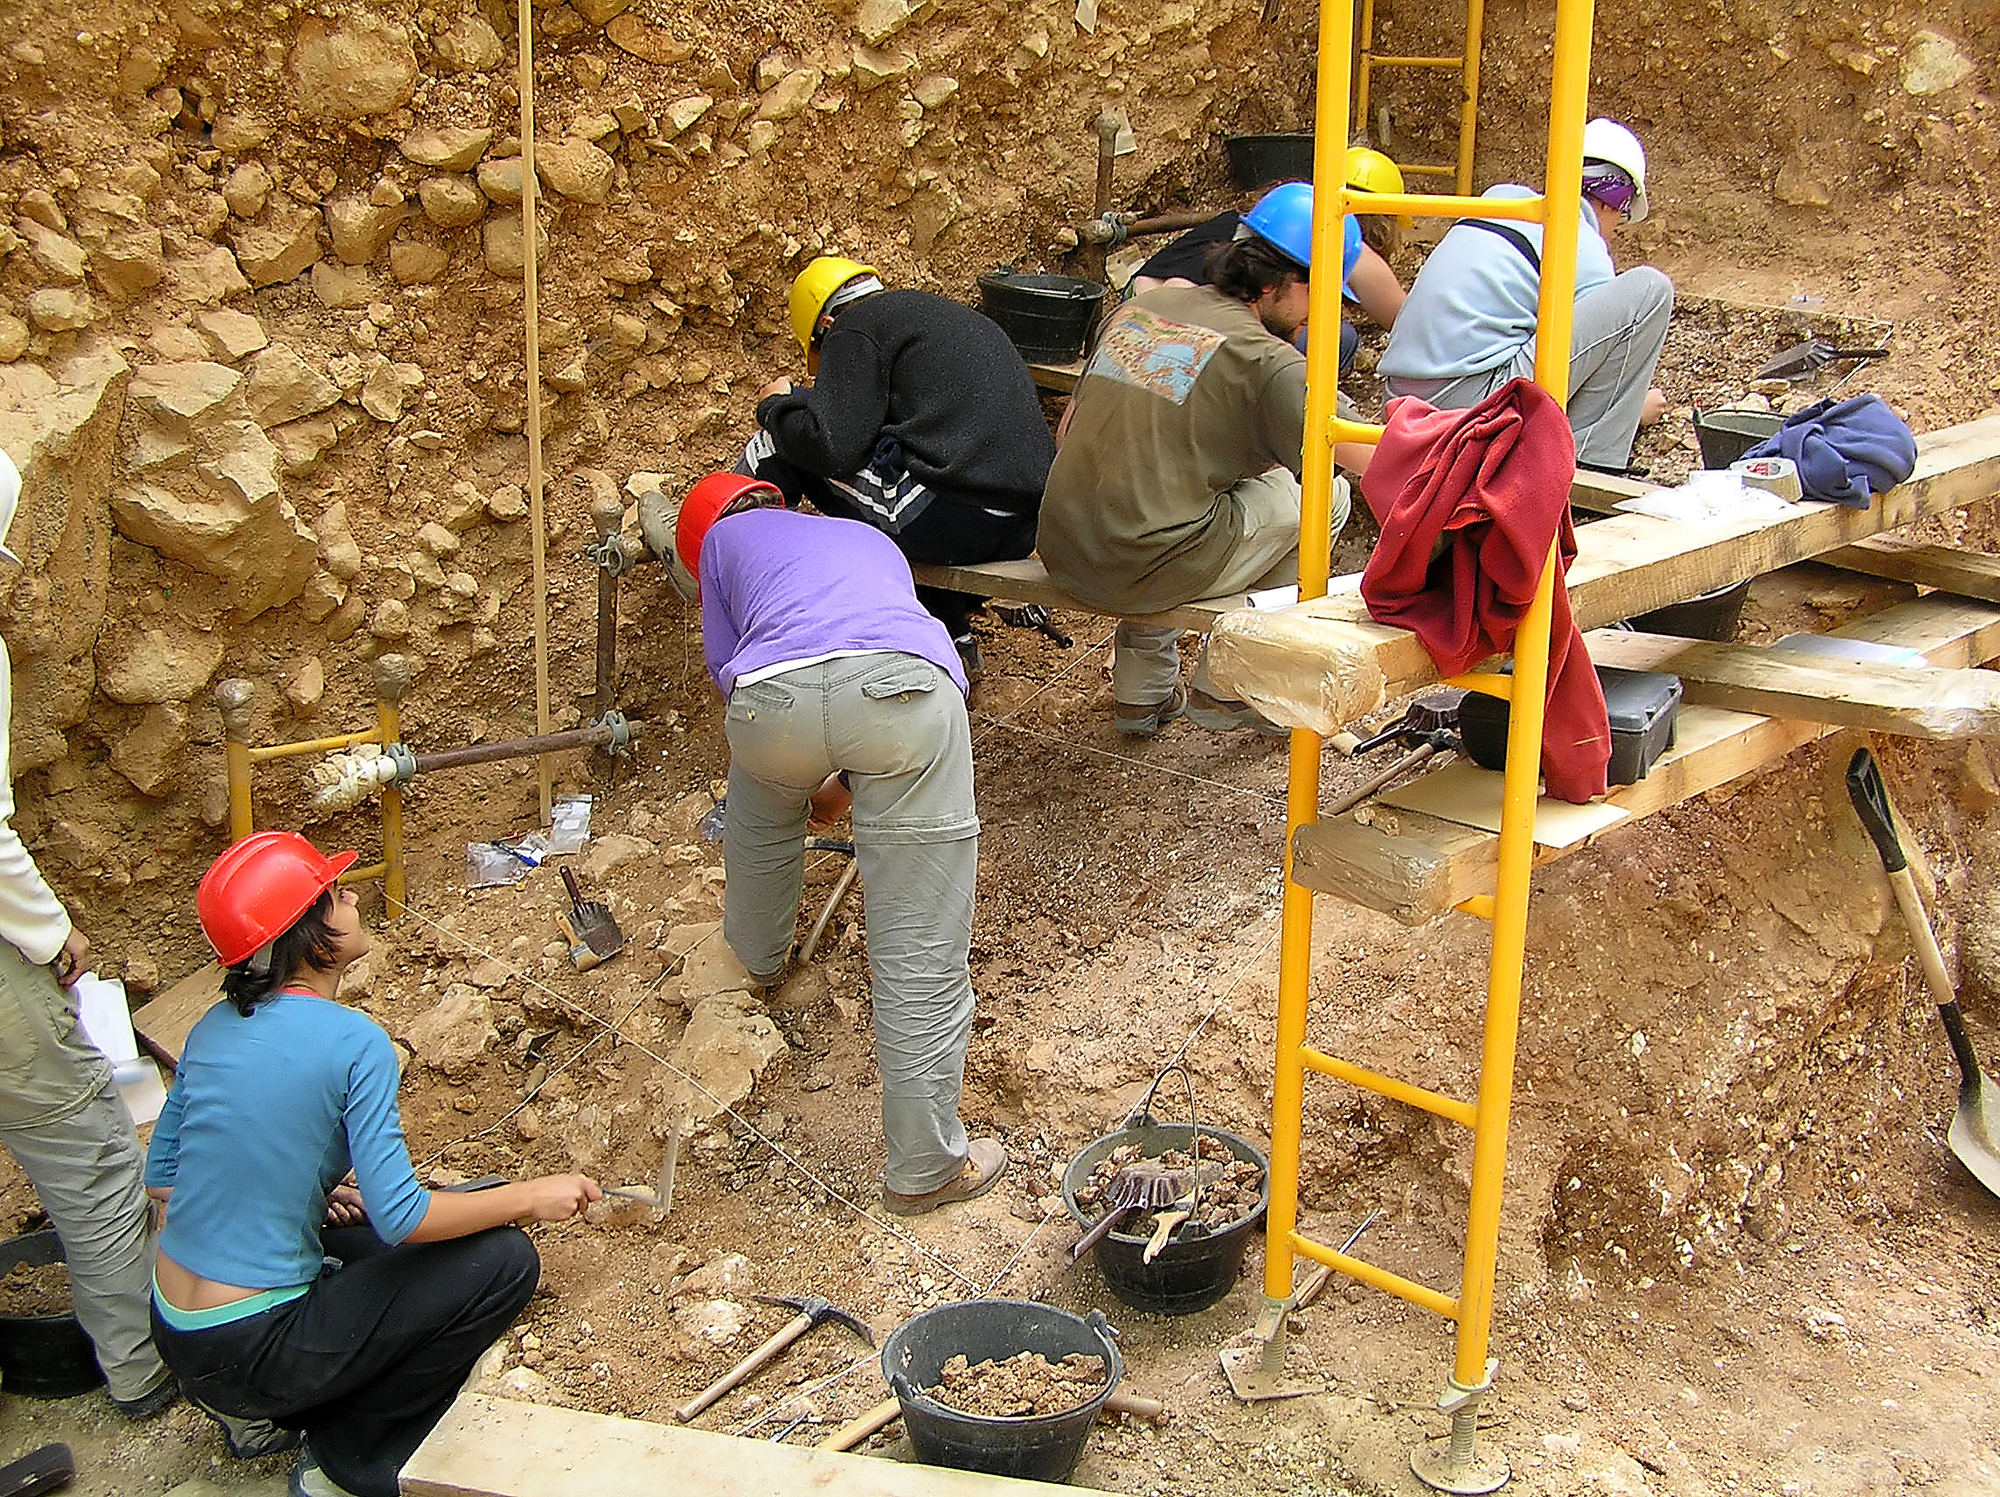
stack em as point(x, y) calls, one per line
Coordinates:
point(591, 924)
point(1802, 359)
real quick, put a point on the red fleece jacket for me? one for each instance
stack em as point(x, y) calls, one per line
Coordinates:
point(1468, 502)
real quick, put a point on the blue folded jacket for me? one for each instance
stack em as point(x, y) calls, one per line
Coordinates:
point(1845, 451)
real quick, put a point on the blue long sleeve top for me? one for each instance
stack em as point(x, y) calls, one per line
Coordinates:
point(267, 1114)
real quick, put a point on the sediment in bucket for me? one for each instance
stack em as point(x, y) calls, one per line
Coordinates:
point(1047, 317)
point(1039, 1449)
point(1192, 1271)
point(43, 1356)
point(1258, 160)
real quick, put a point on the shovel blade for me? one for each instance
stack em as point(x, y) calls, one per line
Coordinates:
point(1974, 1135)
point(1798, 360)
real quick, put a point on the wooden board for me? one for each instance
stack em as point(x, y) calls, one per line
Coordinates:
point(1416, 868)
point(1060, 378)
point(1027, 581)
point(1324, 663)
point(1970, 574)
point(168, 1018)
point(492, 1447)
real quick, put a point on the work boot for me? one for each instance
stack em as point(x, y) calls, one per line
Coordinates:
point(250, 1439)
point(657, 514)
point(985, 1164)
point(969, 657)
point(309, 1481)
point(1137, 721)
point(161, 1396)
point(1222, 715)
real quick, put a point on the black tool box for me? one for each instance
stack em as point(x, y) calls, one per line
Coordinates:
point(1643, 706)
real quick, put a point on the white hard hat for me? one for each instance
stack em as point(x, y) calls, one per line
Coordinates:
point(1608, 141)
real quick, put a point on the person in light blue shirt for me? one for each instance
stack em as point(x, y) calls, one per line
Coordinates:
point(1469, 323)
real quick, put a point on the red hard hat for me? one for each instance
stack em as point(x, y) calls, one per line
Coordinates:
point(704, 506)
point(259, 887)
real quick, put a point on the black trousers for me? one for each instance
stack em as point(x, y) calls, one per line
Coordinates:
point(947, 533)
point(366, 1361)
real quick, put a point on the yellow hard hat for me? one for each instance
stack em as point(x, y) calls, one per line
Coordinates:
point(813, 289)
point(1371, 171)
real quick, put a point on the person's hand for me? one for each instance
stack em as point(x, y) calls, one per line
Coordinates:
point(1653, 407)
point(556, 1198)
point(74, 958)
point(828, 804)
point(778, 386)
point(344, 1208)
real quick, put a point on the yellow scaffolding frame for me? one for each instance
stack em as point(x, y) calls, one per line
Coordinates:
point(1465, 65)
point(1453, 1464)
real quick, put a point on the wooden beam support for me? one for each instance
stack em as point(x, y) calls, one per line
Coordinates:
point(1416, 867)
point(1970, 574)
point(1027, 581)
point(1323, 663)
point(495, 1447)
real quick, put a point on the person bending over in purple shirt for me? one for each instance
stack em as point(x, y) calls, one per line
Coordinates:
point(350, 1312)
point(838, 682)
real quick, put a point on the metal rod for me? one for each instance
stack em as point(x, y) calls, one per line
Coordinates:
point(315, 746)
point(607, 516)
point(235, 697)
point(531, 305)
point(392, 680)
point(1107, 155)
point(515, 748)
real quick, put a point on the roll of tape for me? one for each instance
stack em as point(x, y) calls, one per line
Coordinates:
point(1777, 475)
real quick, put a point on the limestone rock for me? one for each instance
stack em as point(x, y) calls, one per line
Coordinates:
point(57, 309)
point(648, 43)
point(261, 553)
point(576, 169)
point(760, 137)
point(239, 132)
point(175, 344)
point(878, 20)
point(150, 755)
point(530, 1386)
point(711, 1323)
point(301, 444)
point(416, 262)
point(437, 539)
point(874, 68)
point(789, 97)
point(388, 389)
point(283, 387)
point(456, 1033)
point(711, 967)
point(933, 89)
point(13, 337)
point(446, 148)
point(728, 1275)
point(129, 263)
point(1801, 184)
point(1933, 63)
point(273, 253)
point(597, 12)
point(390, 620)
point(451, 202)
point(182, 396)
point(470, 45)
point(156, 665)
point(504, 255)
point(246, 190)
point(359, 228)
point(684, 112)
point(233, 335)
point(500, 180)
point(206, 275)
point(725, 1048)
point(507, 504)
point(351, 69)
point(55, 254)
point(238, 459)
point(305, 684)
point(605, 855)
point(336, 542)
point(342, 287)
point(38, 205)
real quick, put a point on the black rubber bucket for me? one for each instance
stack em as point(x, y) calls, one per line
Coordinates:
point(1047, 316)
point(1039, 1449)
point(1724, 436)
point(1256, 160)
point(43, 1356)
point(1191, 1272)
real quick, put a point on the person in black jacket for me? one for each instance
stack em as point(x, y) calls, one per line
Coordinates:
point(921, 421)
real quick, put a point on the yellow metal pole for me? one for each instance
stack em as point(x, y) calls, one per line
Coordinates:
point(236, 697)
point(1468, 110)
point(392, 679)
point(1361, 79)
point(530, 300)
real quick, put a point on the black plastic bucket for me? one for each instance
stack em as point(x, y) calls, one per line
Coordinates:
point(1192, 1271)
point(1039, 1449)
point(1256, 160)
point(1724, 436)
point(1047, 316)
point(43, 1356)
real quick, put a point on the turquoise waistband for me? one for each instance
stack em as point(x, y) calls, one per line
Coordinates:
point(242, 1309)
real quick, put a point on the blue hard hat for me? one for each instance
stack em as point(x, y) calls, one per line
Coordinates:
point(1283, 218)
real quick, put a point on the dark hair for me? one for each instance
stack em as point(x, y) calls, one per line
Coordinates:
point(310, 942)
point(1247, 268)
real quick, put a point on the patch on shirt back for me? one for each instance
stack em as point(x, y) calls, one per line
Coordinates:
point(1163, 357)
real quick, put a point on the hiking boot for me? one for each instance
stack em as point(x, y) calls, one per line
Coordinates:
point(657, 514)
point(309, 1481)
point(161, 1396)
point(1143, 722)
point(985, 1164)
point(250, 1439)
point(1221, 715)
point(969, 657)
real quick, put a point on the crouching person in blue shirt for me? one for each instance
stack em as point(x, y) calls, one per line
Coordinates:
point(351, 1313)
point(837, 681)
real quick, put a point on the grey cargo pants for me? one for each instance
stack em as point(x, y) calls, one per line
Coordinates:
point(897, 724)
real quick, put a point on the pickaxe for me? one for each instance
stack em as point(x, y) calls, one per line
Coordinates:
point(812, 1310)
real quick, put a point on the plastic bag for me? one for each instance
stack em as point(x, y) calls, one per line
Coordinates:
point(569, 824)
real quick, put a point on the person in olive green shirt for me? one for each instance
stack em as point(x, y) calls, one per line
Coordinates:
point(1178, 474)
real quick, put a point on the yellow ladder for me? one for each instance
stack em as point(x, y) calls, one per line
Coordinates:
point(1466, 65)
point(1454, 1464)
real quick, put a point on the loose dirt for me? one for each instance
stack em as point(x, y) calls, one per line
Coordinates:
point(35, 1289)
point(1026, 1385)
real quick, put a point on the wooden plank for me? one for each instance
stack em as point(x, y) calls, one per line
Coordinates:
point(1324, 663)
point(1908, 701)
point(492, 1447)
point(1027, 581)
point(168, 1018)
point(1970, 574)
point(1416, 868)
point(1059, 378)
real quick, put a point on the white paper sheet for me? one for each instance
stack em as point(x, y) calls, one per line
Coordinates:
point(107, 1021)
